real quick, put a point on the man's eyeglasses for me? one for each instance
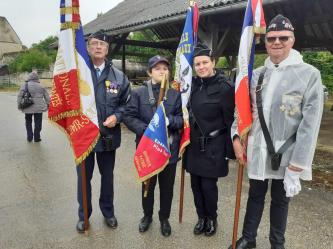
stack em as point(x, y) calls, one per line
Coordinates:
point(271, 39)
point(98, 43)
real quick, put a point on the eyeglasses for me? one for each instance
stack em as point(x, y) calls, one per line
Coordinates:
point(98, 43)
point(272, 39)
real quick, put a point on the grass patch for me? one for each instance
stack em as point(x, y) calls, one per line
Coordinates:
point(9, 88)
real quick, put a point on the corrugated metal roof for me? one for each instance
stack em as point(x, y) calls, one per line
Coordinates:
point(313, 20)
point(130, 13)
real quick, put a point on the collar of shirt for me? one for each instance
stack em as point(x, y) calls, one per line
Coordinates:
point(101, 67)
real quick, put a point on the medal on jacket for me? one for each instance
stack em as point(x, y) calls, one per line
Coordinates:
point(114, 87)
point(107, 85)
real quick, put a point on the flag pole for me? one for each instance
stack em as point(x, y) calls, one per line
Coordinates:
point(164, 85)
point(181, 195)
point(84, 196)
point(182, 174)
point(237, 205)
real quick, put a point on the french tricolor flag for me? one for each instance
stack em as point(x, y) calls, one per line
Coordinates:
point(72, 106)
point(254, 24)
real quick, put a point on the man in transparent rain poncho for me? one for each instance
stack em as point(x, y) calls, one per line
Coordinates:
point(291, 97)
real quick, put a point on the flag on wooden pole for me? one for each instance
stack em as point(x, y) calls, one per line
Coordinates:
point(72, 106)
point(184, 61)
point(254, 24)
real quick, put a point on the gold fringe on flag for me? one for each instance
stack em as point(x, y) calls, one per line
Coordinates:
point(78, 160)
point(70, 25)
point(63, 115)
point(69, 10)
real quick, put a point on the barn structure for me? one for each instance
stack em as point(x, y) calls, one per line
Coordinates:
point(161, 22)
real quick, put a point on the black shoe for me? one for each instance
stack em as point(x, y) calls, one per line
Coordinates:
point(29, 140)
point(165, 228)
point(80, 226)
point(242, 243)
point(277, 247)
point(199, 228)
point(37, 140)
point(111, 222)
point(211, 227)
point(145, 223)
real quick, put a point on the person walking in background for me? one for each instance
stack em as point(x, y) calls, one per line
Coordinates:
point(41, 100)
point(211, 110)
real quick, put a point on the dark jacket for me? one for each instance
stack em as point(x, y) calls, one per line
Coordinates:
point(139, 112)
point(110, 101)
point(211, 108)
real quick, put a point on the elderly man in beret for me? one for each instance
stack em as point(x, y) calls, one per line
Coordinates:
point(112, 92)
point(287, 104)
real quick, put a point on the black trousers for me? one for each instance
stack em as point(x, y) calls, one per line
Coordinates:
point(38, 125)
point(105, 161)
point(205, 195)
point(166, 180)
point(278, 211)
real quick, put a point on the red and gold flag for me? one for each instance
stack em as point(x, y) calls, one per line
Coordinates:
point(72, 106)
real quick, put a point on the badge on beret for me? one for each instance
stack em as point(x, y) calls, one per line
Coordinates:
point(280, 23)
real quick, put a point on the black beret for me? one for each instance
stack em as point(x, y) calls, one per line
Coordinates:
point(202, 49)
point(100, 35)
point(280, 23)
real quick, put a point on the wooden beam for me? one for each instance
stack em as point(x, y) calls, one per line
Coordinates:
point(118, 45)
point(123, 61)
point(223, 43)
point(162, 45)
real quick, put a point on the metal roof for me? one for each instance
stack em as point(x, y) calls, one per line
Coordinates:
point(313, 19)
point(133, 13)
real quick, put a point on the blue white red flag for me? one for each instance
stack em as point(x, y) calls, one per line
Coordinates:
point(254, 24)
point(183, 71)
point(153, 153)
point(72, 106)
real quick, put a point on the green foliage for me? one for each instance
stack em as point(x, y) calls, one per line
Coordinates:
point(142, 54)
point(259, 60)
point(29, 60)
point(39, 56)
point(324, 62)
point(222, 63)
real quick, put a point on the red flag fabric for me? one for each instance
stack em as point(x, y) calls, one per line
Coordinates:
point(153, 152)
point(254, 23)
point(72, 106)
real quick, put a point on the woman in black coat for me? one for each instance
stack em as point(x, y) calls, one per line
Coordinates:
point(139, 112)
point(211, 109)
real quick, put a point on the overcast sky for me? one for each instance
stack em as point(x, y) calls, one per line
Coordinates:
point(34, 20)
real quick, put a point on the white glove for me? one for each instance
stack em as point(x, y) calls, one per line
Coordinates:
point(291, 182)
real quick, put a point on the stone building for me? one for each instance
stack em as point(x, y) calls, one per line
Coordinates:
point(9, 40)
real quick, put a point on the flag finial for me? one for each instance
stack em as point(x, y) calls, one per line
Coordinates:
point(191, 3)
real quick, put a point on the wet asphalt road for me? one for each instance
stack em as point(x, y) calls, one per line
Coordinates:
point(38, 200)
